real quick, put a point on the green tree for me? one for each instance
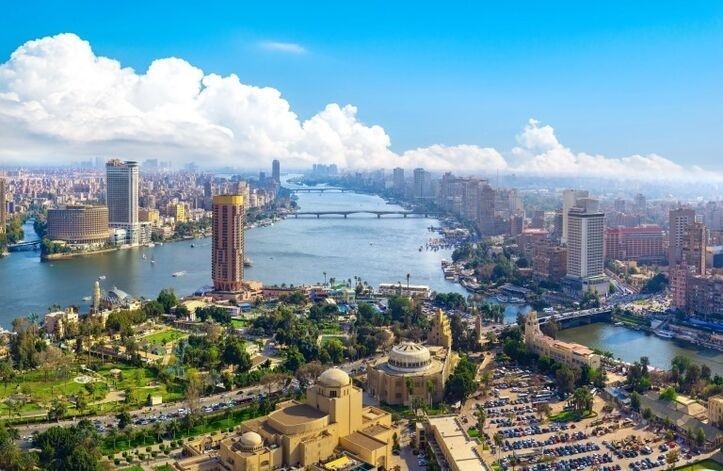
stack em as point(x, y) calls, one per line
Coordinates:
point(167, 299)
point(635, 400)
point(57, 410)
point(668, 394)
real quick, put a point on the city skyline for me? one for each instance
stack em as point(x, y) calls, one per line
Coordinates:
point(224, 113)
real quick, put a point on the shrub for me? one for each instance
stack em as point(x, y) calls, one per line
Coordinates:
point(148, 449)
point(116, 461)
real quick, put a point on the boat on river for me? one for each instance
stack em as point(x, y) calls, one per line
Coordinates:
point(178, 273)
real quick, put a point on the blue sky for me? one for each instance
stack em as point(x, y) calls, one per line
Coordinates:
point(616, 78)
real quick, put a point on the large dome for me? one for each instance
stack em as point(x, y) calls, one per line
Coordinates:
point(334, 378)
point(409, 356)
point(250, 441)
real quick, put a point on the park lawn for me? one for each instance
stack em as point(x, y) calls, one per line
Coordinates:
point(41, 389)
point(27, 409)
point(702, 465)
point(165, 336)
point(142, 382)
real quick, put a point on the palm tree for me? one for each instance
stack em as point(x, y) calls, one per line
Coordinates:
point(324, 277)
point(408, 275)
point(430, 390)
point(582, 400)
point(497, 438)
point(410, 389)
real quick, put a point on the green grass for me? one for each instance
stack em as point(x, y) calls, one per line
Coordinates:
point(164, 337)
point(571, 416)
point(239, 323)
point(701, 465)
point(142, 382)
point(473, 432)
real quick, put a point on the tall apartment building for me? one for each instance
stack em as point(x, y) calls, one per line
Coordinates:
point(569, 201)
point(122, 179)
point(3, 206)
point(398, 181)
point(227, 243)
point(693, 246)
point(276, 171)
point(641, 244)
point(422, 184)
point(586, 249)
point(678, 220)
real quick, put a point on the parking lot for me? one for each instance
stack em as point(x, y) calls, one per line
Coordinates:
point(517, 410)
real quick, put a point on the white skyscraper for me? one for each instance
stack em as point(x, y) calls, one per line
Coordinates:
point(585, 248)
point(569, 201)
point(122, 180)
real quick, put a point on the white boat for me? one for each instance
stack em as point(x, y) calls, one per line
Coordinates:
point(144, 256)
point(153, 261)
point(101, 277)
point(87, 298)
point(664, 334)
point(178, 273)
point(619, 324)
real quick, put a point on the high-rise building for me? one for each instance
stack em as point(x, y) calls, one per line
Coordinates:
point(678, 221)
point(585, 249)
point(122, 179)
point(569, 201)
point(398, 181)
point(3, 206)
point(693, 246)
point(422, 184)
point(276, 171)
point(227, 245)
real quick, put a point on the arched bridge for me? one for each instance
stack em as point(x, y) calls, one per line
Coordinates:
point(378, 214)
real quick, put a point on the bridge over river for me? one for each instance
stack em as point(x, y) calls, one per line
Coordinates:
point(21, 246)
point(377, 213)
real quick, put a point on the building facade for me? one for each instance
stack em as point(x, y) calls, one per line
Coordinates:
point(276, 171)
point(678, 221)
point(585, 250)
point(122, 190)
point(331, 426)
point(412, 370)
point(570, 354)
point(227, 243)
point(641, 244)
point(569, 201)
point(78, 224)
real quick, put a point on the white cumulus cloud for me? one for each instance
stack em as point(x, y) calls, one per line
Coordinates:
point(60, 102)
point(540, 152)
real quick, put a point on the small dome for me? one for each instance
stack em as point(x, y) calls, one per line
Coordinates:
point(409, 356)
point(334, 378)
point(250, 441)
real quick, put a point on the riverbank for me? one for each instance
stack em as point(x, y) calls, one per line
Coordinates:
point(49, 257)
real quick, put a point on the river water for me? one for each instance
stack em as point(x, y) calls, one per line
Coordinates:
point(629, 345)
point(291, 251)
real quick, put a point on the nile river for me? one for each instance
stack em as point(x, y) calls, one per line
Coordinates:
point(292, 251)
point(629, 345)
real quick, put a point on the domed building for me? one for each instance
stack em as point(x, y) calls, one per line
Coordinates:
point(331, 422)
point(414, 370)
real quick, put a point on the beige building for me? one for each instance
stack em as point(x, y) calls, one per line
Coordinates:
point(227, 243)
point(571, 354)
point(715, 411)
point(412, 370)
point(57, 323)
point(331, 423)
